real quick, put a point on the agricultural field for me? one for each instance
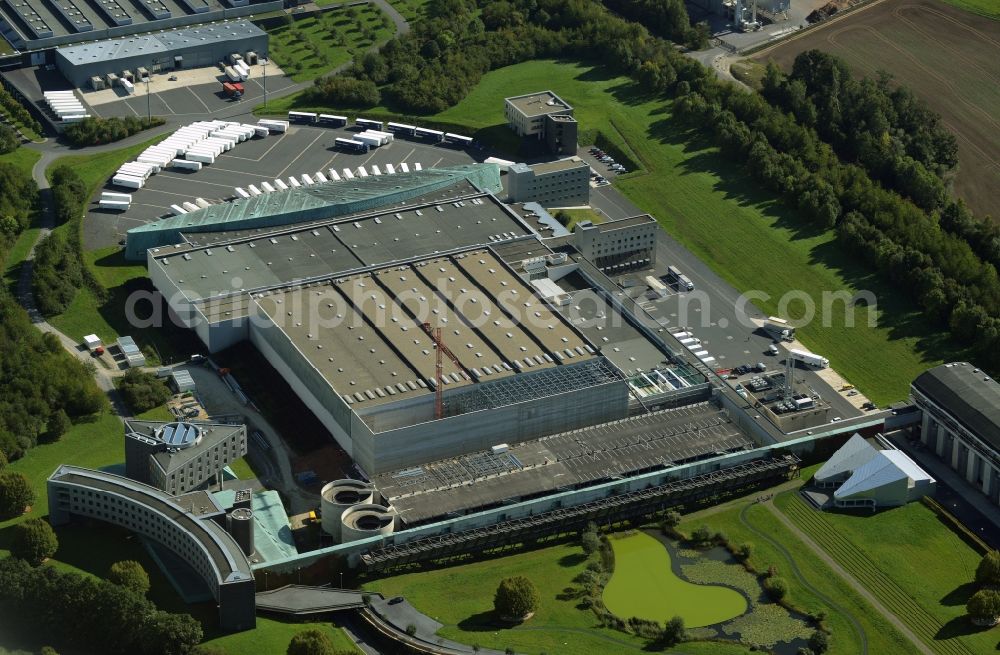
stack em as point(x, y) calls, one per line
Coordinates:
point(311, 47)
point(907, 558)
point(946, 56)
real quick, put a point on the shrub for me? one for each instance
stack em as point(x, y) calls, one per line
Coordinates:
point(411, 629)
point(988, 571)
point(345, 91)
point(34, 541)
point(701, 535)
point(95, 131)
point(819, 642)
point(310, 642)
point(673, 631)
point(744, 551)
point(777, 588)
point(143, 391)
point(3, 460)
point(130, 574)
point(516, 598)
point(15, 494)
point(9, 140)
point(984, 606)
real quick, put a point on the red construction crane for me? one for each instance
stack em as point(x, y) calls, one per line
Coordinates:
point(439, 347)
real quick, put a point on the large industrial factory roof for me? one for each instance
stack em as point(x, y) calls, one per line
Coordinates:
point(644, 443)
point(972, 397)
point(364, 333)
point(309, 203)
point(163, 42)
point(268, 258)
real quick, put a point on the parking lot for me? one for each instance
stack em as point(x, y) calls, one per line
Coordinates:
point(302, 149)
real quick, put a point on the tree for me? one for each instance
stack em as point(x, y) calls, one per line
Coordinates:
point(15, 494)
point(59, 423)
point(203, 649)
point(9, 141)
point(142, 391)
point(516, 598)
point(48, 650)
point(165, 633)
point(984, 607)
point(130, 574)
point(701, 535)
point(673, 631)
point(819, 642)
point(744, 551)
point(3, 461)
point(590, 543)
point(988, 571)
point(34, 541)
point(670, 520)
point(310, 642)
point(776, 588)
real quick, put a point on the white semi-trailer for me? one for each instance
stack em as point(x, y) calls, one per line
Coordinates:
point(128, 181)
point(280, 185)
point(779, 329)
point(119, 205)
point(186, 165)
point(808, 358)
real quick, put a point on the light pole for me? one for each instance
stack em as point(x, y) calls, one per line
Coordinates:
point(341, 579)
point(263, 61)
point(149, 111)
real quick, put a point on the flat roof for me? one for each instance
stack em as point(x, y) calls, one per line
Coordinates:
point(538, 104)
point(631, 221)
point(363, 333)
point(559, 165)
point(270, 258)
point(969, 394)
point(566, 460)
point(227, 558)
point(173, 459)
point(161, 43)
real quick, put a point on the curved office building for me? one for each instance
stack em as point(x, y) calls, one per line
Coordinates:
point(198, 540)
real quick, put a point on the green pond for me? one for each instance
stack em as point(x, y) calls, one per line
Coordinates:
point(645, 586)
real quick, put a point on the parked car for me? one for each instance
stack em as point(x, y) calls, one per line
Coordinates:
point(772, 349)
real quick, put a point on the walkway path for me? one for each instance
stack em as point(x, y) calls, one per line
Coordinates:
point(794, 567)
point(903, 628)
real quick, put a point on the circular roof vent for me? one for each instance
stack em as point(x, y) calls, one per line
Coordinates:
point(179, 435)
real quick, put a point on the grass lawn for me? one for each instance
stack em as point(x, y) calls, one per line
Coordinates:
point(714, 209)
point(241, 468)
point(410, 9)
point(644, 585)
point(461, 597)
point(314, 46)
point(988, 8)
point(158, 413)
point(272, 636)
point(912, 562)
point(577, 215)
point(23, 158)
point(813, 587)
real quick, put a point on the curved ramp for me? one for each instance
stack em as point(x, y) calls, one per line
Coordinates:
point(301, 600)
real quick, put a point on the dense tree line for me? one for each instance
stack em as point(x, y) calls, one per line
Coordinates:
point(41, 383)
point(17, 111)
point(94, 615)
point(9, 139)
point(345, 92)
point(667, 18)
point(18, 196)
point(889, 132)
point(95, 131)
point(56, 274)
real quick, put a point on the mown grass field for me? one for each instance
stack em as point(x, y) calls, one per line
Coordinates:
point(716, 211)
point(461, 597)
point(23, 158)
point(644, 585)
point(410, 9)
point(910, 561)
point(813, 587)
point(946, 57)
point(313, 46)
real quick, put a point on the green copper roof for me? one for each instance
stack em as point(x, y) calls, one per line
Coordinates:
point(306, 203)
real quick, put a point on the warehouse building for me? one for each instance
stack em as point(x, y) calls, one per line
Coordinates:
point(179, 457)
point(546, 117)
point(188, 529)
point(961, 422)
point(194, 47)
point(563, 183)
